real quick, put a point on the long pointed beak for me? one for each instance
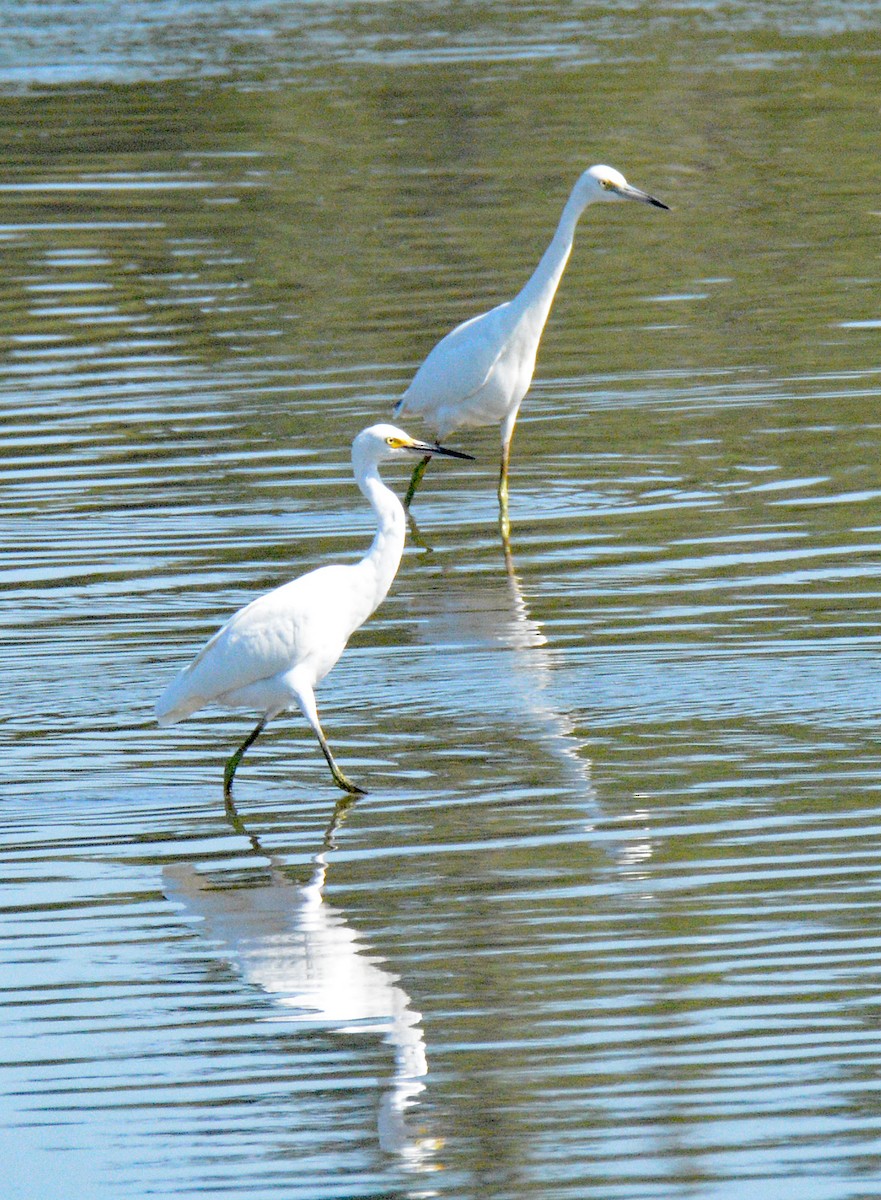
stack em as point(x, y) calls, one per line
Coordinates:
point(434, 448)
point(632, 193)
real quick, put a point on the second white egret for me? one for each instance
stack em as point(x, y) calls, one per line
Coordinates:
point(479, 373)
point(272, 653)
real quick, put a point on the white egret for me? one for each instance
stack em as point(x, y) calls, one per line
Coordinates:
point(273, 652)
point(479, 373)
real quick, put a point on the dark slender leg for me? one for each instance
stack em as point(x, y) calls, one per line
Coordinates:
point(340, 779)
point(309, 709)
point(234, 759)
point(416, 479)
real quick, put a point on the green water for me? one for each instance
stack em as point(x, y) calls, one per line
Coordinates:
point(605, 924)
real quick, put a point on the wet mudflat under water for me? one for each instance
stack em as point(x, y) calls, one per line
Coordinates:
point(606, 923)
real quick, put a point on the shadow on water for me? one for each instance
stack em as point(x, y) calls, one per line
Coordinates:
point(284, 938)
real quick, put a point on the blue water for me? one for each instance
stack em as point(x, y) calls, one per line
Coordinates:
point(605, 924)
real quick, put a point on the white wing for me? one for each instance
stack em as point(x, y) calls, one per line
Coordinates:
point(305, 622)
point(460, 364)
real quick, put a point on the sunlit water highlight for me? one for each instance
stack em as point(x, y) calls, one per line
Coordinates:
point(606, 923)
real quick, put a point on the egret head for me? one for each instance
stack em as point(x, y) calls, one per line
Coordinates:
point(381, 443)
point(605, 183)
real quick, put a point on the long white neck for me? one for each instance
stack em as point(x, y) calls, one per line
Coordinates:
point(380, 564)
point(538, 294)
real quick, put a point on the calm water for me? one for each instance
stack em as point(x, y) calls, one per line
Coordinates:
point(606, 924)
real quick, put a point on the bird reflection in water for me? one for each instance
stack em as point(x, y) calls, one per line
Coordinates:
point(481, 613)
point(534, 668)
point(531, 689)
point(284, 938)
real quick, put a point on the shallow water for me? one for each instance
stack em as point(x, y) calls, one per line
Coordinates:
point(605, 924)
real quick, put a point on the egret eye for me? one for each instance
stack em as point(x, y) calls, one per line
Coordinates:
point(394, 442)
point(607, 184)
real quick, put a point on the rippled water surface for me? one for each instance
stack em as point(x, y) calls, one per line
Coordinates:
point(606, 923)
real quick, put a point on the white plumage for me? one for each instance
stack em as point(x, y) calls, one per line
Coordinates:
point(270, 656)
point(479, 373)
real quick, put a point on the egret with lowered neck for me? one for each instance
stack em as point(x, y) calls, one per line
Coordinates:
point(479, 373)
point(272, 653)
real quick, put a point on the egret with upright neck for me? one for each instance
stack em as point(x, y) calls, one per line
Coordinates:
point(272, 653)
point(479, 373)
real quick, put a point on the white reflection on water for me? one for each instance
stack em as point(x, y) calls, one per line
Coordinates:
point(482, 612)
point(534, 667)
point(284, 938)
